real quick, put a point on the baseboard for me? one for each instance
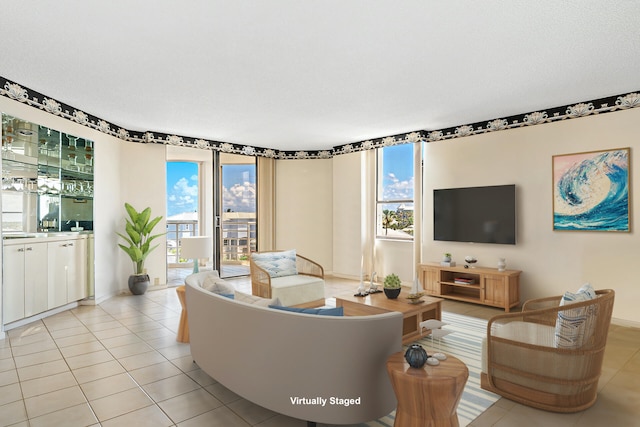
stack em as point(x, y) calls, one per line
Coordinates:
point(43, 315)
point(625, 323)
point(149, 289)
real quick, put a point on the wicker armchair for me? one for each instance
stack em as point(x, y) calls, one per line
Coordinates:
point(522, 362)
point(309, 283)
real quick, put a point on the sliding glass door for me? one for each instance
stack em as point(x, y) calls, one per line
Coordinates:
point(237, 213)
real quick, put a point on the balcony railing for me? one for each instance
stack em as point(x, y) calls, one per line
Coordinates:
point(238, 240)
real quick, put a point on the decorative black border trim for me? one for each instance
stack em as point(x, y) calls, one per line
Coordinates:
point(35, 99)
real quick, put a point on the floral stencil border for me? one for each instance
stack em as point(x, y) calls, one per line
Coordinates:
point(17, 92)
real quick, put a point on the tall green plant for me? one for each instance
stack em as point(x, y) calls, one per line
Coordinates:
point(139, 238)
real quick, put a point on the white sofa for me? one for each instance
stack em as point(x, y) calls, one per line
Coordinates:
point(272, 357)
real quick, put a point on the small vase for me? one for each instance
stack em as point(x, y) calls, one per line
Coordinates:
point(416, 356)
point(501, 264)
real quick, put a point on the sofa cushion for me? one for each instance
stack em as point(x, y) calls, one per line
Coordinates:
point(277, 264)
point(215, 284)
point(337, 311)
point(575, 326)
point(252, 299)
point(298, 289)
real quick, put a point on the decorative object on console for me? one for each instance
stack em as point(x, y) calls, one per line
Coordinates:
point(584, 183)
point(502, 264)
point(139, 227)
point(392, 286)
point(446, 257)
point(195, 248)
point(470, 260)
point(416, 356)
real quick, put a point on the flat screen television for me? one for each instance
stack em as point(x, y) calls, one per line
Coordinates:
point(475, 214)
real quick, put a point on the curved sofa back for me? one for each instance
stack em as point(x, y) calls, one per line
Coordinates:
point(288, 362)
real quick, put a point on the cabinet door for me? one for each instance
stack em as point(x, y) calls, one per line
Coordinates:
point(495, 291)
point(36, 291)
point(77, 270)
point(431, 280)
point(58, 258)
point(13, 283)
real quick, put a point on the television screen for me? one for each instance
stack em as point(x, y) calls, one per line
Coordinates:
point(475, 214)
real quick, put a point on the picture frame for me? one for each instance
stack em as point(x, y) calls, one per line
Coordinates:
point(591, 191)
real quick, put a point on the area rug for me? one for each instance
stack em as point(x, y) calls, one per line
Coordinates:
point(465, 343)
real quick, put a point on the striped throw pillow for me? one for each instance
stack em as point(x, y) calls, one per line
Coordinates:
point(575, 326)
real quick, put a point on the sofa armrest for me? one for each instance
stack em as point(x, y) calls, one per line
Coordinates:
point(260, 280)
point(309, 267)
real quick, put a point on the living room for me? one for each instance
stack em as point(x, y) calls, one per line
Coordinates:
point(324, 207)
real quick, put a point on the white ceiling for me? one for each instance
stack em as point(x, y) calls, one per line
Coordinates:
point(303, 74)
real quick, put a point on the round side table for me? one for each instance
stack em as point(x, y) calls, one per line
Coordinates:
point(427, 396)
point(183, 328)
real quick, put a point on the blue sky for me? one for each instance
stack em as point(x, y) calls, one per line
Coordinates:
point(182, 187)
point(397, 170)
point(238, 193)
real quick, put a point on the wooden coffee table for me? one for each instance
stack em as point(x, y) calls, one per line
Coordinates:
point(413, 314)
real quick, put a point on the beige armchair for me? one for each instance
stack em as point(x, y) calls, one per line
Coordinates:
point(522, 361)
point(303, 289)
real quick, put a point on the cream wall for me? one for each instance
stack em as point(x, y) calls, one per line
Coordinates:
point(347, 216)
point(551, 261)
point(143, 183)
point(304, 216)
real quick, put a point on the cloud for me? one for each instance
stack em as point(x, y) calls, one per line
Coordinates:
point(239, 197)
point(183, 197)
point(395, 189)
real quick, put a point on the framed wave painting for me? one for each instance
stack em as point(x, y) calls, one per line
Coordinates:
point(591, 191)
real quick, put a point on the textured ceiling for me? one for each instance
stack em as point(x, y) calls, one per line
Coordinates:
point(295, 74)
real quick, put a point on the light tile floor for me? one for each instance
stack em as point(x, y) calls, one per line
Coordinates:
point(119, 364)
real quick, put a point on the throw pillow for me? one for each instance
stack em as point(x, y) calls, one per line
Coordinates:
point(215, 284)
point(574, 326)
point(277, 264)
point(255, 300)
point(337, 311)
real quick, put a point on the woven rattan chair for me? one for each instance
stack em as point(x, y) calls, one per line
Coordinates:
point(522, 361)
point(304, 289)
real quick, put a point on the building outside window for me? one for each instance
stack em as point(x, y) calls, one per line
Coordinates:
point(395, 192)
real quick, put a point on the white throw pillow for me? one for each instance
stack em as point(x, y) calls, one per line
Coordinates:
point(277, 264)
point(575, 326)
point(252, 299)
point(215, 284)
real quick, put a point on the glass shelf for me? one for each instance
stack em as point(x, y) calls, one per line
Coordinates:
point(51, 167)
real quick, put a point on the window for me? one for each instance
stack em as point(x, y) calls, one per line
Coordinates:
point(394, 192)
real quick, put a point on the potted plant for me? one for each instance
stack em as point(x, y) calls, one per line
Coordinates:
point(139, 238)
point(391, 286)
point(446, 257)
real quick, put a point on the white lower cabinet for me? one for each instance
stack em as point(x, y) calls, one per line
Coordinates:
point(42, 275)
point(67, 271)
point(25, 280)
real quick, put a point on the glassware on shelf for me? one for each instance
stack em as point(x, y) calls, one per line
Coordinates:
point(88, 162)
point(73, 142)
point(7, 151)
point(73, 165)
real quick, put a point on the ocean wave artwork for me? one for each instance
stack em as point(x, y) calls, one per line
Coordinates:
point(591, 191)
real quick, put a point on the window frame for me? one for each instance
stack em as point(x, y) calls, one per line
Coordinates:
point(381, 201)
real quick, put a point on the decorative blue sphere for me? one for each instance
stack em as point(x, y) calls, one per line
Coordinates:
point(416, 356)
